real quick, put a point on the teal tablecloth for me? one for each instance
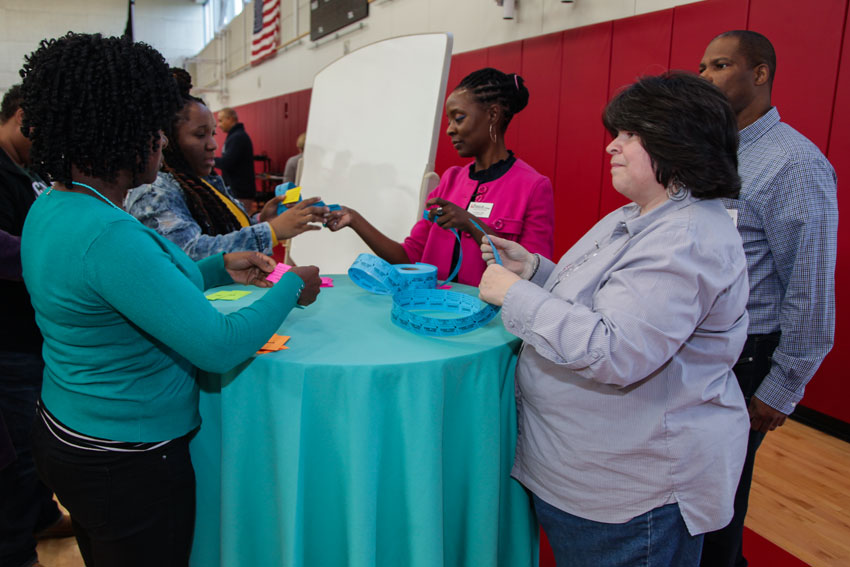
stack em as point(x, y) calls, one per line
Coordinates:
point(362, 445)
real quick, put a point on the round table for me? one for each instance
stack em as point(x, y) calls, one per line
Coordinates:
point(362, 445)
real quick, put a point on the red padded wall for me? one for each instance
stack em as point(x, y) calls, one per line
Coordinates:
point(695, 25)
point(585, 59)
point(537, 126)
point(828, 391)
point(807, 40)
point(640, 46)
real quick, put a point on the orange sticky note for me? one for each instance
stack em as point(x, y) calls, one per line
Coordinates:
point(275, 343)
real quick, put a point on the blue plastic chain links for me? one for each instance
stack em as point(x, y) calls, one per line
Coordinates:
point(413, 289)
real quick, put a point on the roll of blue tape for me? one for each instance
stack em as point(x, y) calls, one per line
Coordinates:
point(472, 315)
point(412, 287)
point(378, 276)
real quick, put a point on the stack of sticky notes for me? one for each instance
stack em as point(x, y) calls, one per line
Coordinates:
point(228, 294)
point(291, 194)
point(282, 268)
point(274, 344)
point(278, 271)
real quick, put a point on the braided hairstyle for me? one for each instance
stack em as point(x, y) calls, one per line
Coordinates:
point(208, 210)
point(94, 102)
point(491, 86)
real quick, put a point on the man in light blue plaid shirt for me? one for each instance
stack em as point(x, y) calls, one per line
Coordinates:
point(787, 215)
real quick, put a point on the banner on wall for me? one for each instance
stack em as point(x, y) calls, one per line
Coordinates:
point(266, 30)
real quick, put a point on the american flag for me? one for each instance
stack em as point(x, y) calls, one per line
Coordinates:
point(266, 29)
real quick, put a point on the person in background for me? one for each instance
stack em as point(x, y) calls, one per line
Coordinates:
point(194, 209)
point(10, 257)
point(290, 170)
point(632, 427)
point(787, 214)
point(27, 509)
point(10, 269)
point(122, 309)
point(499, 192)
point(237, 159)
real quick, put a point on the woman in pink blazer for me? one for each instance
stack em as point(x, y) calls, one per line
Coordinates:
point(500, 193)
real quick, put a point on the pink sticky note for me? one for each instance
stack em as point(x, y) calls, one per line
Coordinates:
point(278, 271)
point(327, 282)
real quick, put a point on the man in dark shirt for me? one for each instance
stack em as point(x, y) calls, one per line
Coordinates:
point(237, 159)
point(27, 509)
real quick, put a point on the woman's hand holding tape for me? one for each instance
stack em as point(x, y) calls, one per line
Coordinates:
point(514, 257)
point(447, 215)
point(495, 284)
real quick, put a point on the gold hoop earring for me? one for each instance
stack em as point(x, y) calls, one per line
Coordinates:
point(492, 134)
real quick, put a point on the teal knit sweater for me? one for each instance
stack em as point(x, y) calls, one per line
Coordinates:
point(125, 320)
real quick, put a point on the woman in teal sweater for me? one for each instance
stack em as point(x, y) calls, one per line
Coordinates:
point(122, 310)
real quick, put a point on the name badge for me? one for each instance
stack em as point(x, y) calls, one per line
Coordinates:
point(734, 214)
point(480, 210)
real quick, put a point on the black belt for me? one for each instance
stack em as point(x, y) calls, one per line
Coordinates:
point(759, 344)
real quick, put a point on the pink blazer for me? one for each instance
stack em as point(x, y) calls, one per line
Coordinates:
point(523, 211)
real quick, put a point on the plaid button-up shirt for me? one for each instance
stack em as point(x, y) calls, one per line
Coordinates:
point(788, 220)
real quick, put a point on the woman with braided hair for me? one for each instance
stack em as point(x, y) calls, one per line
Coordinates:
point(122, 309)
point(194, 209)
point(500, 193)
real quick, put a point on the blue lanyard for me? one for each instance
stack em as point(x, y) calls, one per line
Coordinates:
point(96, 192)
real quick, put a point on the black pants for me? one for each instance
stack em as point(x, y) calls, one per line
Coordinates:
point(127, 509)
point(724, 548)
point(26, 505)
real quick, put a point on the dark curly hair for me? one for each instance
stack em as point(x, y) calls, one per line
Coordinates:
point(688, 129)
point(491, 86)
point(94, 102)
point(11, 103)
point(208, 210)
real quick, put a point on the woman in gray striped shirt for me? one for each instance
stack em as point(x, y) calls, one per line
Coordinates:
point(632, 427)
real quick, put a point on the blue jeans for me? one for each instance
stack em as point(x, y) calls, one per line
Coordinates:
point(658, 538)
point(26, 505)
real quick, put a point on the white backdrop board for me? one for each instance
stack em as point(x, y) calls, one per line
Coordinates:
point(371, 138)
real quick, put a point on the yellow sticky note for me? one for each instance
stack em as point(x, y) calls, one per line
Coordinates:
point(228, 294)
point(292, 196)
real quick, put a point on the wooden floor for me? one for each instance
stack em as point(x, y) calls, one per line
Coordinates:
point(800, 499)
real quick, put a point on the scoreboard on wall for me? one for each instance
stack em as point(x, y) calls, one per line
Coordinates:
point(327, 16)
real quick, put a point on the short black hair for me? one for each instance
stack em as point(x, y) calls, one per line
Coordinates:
point(755, 48)
point(491, 86)
point(94, 102)
point(687, 127)
point(11, 102)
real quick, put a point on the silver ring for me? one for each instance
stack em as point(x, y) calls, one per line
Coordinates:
point(438, 211)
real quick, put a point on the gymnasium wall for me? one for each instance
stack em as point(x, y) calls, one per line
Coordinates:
point(571, 74)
